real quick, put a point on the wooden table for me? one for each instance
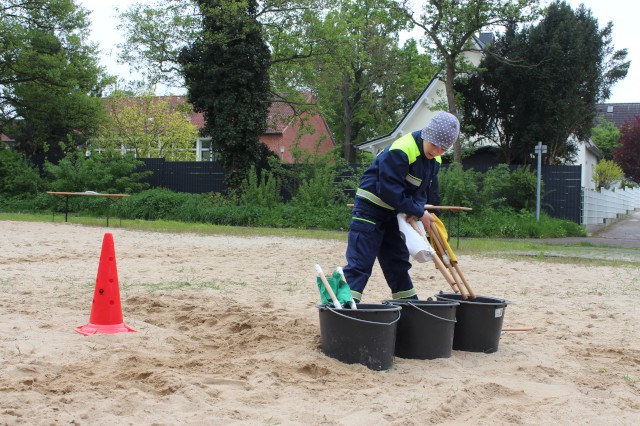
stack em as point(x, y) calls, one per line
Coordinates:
point(85, 194)
point(456, 209)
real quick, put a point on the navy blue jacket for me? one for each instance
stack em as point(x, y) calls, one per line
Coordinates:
point(399, 177)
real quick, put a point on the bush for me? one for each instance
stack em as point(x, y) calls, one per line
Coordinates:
point(496, 188)
point(327, 218)
point(108, 172)
point(156, 204)
point(319, 190)
point(495, 184)
point(263, 191)
point(18, 177)
point(458, 187)
point(606, 174)
point(521, 189)
point(162, 204)
point(505, 223)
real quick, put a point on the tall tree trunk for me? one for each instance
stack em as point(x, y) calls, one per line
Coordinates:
point(349, 150)
point(451, 103)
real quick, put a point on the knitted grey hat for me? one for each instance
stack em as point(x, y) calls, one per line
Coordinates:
point(443, 130)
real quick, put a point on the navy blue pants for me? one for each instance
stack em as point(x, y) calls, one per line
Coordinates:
point(374, 233)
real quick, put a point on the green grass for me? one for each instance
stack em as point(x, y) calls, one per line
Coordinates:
point(487, 245)
point(177, 227)
point(582, 253)
point(536, 250)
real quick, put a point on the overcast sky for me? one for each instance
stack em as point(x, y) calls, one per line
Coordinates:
point(623, 13)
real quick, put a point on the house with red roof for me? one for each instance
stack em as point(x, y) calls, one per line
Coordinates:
point(6, 139)
point(288, 130)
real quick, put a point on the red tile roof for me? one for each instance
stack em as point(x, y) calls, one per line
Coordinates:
point(279, 118)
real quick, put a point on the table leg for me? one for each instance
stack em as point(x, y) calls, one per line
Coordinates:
point(448, 219)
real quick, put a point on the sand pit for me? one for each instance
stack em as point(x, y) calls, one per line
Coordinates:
point(228, 333)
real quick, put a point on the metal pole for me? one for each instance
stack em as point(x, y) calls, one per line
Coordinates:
point(539, 151)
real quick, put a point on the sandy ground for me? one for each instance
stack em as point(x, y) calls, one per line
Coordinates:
point(228, 333)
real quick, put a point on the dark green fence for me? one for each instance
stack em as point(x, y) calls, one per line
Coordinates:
point(561, 198)
point(562, 195)
point(195, 177)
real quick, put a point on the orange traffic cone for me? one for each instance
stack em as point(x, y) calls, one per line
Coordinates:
point(106, 310)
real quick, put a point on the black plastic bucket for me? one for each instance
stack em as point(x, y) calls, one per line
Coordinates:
point(364, 336)
point(425, 330)
point(479, 322)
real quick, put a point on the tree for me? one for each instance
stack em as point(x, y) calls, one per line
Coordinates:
point(364, 80)
point(489, 96)
point(449, 27)
point(226, 73)
point(157, 32)
point(149, 127)
point(606, 174)
point(346, 52)
point(49, 75)
point(19, 178)
point(541, 83)
point(627, 155)
point(607, 137)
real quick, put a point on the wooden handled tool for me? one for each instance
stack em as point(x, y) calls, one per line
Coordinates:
point(443, 270)
point(327, 286)
point(437, 242)
point(462, 283)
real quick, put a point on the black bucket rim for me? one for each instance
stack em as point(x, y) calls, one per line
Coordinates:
point(497, 300)
point(433, 303)
point(434, 315)
point(369, 307)
point(386, 309)
point(419, 302)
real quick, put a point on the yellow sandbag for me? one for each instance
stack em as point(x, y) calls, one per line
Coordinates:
point(444, 236)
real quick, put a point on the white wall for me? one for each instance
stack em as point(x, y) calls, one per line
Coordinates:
point(588, 161)
point(607, 204)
